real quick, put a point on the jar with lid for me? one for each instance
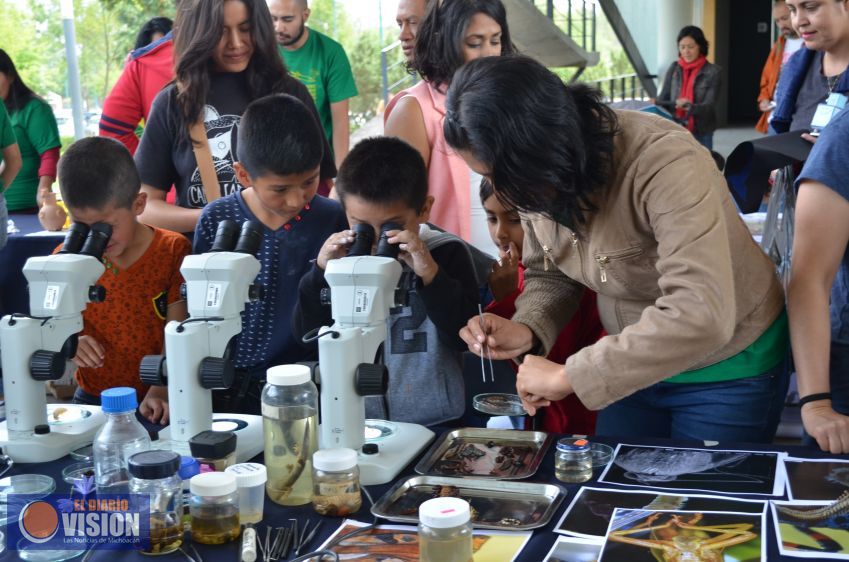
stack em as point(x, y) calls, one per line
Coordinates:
point(214, 507)
point(290, 430)
point(155, 473)
point(214, 450)
point(445, 531)
point(250, 480)
point(573, 461)
point(336, 482)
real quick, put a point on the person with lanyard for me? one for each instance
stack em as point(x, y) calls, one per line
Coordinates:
point(816, 75)
point(691, 86)
point(630, 205)
point(225, 56)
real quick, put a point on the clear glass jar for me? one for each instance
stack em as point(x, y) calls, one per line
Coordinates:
point(214, 507)
point(290, 429)
point(573, 460)
point(250, 480)
point(214, 450)
point(445, 531)
point(336, 482)
point(155, 473)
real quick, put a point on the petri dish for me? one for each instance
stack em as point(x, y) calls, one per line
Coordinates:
point(60, 414)
point(499, 404)
point(77, 470)
point(28, 551)
point(84, 453)
point(32, 484)
point(601, 454)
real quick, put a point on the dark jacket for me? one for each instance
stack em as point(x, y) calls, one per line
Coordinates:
point(705, 91)
point(789, 84)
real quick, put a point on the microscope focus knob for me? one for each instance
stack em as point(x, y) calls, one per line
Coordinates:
point(152, 370)
point(97, 293)
point(47, 365)
point(371, 379)
point(216, 373)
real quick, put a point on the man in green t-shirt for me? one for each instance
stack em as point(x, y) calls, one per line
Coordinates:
point(321, 64)
point(10, 164)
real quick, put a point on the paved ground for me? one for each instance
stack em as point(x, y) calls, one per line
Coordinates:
point(725, 140)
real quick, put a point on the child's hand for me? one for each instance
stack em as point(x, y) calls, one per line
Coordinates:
point(154, 407)
point(504, 278)
point(334, 247)
point(89, 353)
point(414, 253)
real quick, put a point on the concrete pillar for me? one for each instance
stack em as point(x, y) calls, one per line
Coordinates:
point(672, 15)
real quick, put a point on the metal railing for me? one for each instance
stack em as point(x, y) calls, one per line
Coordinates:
point(578, 21)
point(394, 75)
point(622, 87)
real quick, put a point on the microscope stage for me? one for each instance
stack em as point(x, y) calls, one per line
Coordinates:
point(395, 452)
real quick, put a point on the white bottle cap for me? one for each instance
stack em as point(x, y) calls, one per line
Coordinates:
point(444, 513)
point(248, 474)
point(212, 484)
point(287, 375)
point(334, 459)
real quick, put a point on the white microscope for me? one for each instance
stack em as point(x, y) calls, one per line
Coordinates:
point(199, 350)
point(362, 292)
point(35, 348)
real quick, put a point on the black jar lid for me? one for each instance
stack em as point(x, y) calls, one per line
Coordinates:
point(152, 465)
point(212, 444)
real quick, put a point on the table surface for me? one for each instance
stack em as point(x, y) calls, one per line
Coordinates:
point(534, 551)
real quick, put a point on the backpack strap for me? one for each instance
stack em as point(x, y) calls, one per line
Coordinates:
point(203, 156)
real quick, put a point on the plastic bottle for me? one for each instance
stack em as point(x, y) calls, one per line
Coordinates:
point(290, 428)
point(120, 438)
point(445, 531)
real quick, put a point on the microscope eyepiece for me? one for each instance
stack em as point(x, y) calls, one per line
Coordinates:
point(384, 248)
point(75, 238)
point(97, 240)
point(363, 240)
point(250, 238)
point(225, 236)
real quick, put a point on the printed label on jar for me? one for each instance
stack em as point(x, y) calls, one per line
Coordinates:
point(336, 489)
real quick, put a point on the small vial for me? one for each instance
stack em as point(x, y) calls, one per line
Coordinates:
point(573, 461)
point(445, 531)
point(215, 508)
point(214, 450)
point(336, 482)
point(250, 480)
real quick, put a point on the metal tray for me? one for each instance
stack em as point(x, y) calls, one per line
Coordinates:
point(512, 506)
point(479, 453)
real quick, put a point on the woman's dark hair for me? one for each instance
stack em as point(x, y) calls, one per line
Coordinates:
point(154, 25)
point(197, 31)
point(438, 52)
point(697, 35)
point(547, 147)
point(19, 93)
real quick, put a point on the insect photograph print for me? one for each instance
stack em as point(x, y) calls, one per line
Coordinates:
point(706, 470)
point(813, 529)
point(591, 509)
point(678, 536)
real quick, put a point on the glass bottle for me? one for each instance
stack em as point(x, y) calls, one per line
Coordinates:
point(336, 482)
point(290, 428)
point(155, 473)
point(445, 531)
point(214, 507)
point(573, 460)
point(120, 437)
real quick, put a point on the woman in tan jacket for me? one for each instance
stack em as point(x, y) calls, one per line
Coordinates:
point(631, 206)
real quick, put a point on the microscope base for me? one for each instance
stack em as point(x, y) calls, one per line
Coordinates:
point(396, 452)
point(248, 429)
point(63, 438)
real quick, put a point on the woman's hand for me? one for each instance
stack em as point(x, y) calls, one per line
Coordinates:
point(828, 427)
point(504, 338)
point(541, 382)
point(683, 103)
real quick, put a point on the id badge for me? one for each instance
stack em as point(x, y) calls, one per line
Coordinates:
point(825, 112)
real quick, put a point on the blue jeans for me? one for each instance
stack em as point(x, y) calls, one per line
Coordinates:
point(838, 368)
point(741, 410)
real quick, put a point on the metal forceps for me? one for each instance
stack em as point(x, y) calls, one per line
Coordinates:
point(488, 351)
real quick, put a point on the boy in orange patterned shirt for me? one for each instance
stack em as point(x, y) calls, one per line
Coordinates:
point(100, 183)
